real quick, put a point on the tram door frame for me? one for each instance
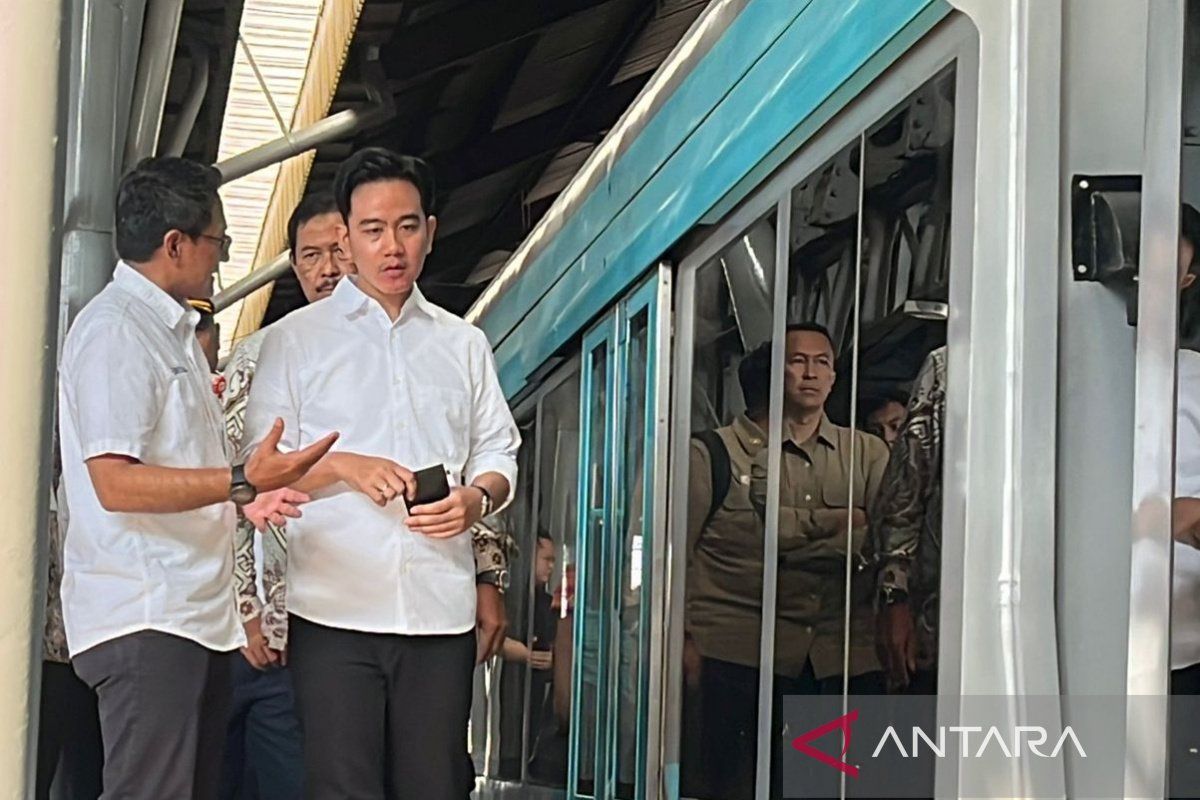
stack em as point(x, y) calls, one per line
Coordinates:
point(605, 513)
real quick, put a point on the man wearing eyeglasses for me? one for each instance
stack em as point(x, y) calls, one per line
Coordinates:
point(148, 566)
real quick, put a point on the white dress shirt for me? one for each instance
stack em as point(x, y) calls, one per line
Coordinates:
point(133, 382)
point(421, 391)
point(1185, 580)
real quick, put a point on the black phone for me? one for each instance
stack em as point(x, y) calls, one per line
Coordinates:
point(432, 485)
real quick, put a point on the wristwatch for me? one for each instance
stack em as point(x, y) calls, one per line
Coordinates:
point(487, 506)
point(241, 491)
point(494, 577)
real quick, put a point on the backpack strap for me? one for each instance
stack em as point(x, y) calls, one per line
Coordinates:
point(721, 468)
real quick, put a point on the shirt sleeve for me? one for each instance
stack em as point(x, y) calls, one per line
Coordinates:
point(114, 393)
point(495, 437)
point(1187, 440)
point(274, 393)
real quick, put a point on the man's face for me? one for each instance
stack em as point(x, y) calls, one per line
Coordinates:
point(808, 370)
point(544, 566)
point(886, 422)
point(389, 235)
point(320, 260)
point(197, 258)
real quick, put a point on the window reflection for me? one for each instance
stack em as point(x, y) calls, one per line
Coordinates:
point(723, 583)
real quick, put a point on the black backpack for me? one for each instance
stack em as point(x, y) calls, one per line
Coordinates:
point(721, 467)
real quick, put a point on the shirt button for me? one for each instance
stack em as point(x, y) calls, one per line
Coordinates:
point(808, 498)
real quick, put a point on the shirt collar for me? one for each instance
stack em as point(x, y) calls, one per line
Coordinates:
point(170, 311)
point(748, 433)
point(826, 434)
point(352, 300)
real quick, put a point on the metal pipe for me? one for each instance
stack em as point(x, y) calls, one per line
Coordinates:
point(29, 54)
point(154, 74)
point(336, 126)
point(197, 89)
point(252, 282)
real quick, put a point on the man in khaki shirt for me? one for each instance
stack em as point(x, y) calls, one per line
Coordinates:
point(829, 476)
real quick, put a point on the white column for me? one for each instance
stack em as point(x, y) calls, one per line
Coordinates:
point(29, 53)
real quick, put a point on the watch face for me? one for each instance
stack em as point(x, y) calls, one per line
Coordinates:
point(242, 494)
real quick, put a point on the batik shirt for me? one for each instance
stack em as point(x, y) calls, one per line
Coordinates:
point(907, 521)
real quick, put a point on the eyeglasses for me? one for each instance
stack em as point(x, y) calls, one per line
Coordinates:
point(224, 241)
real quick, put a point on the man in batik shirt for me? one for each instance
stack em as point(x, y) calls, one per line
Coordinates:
point(907, 533)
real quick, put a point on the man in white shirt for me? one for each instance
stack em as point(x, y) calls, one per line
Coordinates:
point(1185, 577)
point(148, 566)
point(381, 601)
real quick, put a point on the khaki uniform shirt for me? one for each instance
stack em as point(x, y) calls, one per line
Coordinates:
point(821, 481)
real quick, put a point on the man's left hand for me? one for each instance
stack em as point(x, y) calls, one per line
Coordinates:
point(491, 621)
point(450, 516)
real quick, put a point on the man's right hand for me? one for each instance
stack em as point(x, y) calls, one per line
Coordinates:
point(268, 469)
point(256, 651)
point(380, 479)
point(896, 644)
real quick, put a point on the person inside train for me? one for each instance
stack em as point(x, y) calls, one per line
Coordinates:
point(1185, 576)
point(148, 565)
point(724, 597)
point(883, 415)
point(906, 538)
point(208, 332)
point(382, 597)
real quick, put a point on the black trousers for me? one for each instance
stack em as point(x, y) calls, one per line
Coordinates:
point(729, 722)
point(164, 705)
point(1184, 765)
point(70, 754)
point(383, 716)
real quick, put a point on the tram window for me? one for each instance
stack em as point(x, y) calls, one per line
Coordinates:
point(867, 292)
point(552, 604)
point(723, 584)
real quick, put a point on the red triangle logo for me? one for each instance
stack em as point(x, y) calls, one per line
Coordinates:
point(842, 723)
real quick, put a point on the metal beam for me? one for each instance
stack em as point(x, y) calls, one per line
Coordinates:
point(542, 135)
point(252, 282)
point(448, 39)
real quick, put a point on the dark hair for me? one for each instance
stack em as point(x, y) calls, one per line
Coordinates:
point(543, 535)
point(380, 164)
point(311, 205)
point(162, 195)
point(877, 402)
point(754, 375)
point(813, 327)
point(1189, 228)
point(206, 322)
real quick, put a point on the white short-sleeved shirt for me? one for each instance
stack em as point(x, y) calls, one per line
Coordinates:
point(133, 381)
point(421, 391)
point(1185, 583)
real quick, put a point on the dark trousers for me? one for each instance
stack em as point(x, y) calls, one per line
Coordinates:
point(729, 722)
point(1184, 764)
point(70, 755)
point(264, 757)
point(383, 716)
point(164, 705)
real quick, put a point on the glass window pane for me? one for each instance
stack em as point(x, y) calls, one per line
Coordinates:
point(549, 639)
point(723, 590)
point(591, 700)
point(632, 646)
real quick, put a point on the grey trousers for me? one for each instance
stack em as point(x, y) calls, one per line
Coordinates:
point(164, 706)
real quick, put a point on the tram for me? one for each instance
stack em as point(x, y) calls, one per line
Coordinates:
point(1001, 179)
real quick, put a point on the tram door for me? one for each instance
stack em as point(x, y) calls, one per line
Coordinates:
point(622, 460)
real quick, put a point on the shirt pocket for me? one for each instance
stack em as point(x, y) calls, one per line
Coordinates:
point(443, 425)
point(836, 489)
